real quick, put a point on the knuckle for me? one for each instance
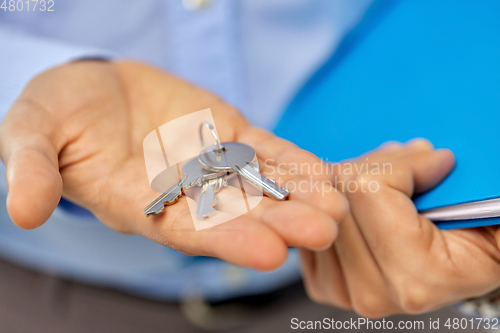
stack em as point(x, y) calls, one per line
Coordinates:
point(322, 237)
point(321, 194)
point(319, 233)
point(362, 186)
point(369, 305)
point(340, 171)
point(323, 293)
point(316, 295)
point(391, 146)
point(331, 201)
point(341, 207)
point(314, 288)
point(414, 297)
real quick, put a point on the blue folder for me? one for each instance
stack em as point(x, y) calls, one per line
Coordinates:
point(412, 68)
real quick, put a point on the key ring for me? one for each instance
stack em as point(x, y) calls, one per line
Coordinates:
point(218, 146)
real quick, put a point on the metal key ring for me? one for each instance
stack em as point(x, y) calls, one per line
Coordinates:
point(218, 146)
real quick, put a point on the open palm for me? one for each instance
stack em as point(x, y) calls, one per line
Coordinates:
point(77, 131)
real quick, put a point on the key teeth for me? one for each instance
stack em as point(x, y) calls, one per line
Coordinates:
point(221, 182)
point(159, 211)
point(155, 213)
point(163, 196)
point(172, 201)
point(209, 214)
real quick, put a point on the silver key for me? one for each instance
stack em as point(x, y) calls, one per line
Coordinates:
point(169, 197)
point(208, 196)
point(195, 175)
point(237, 157)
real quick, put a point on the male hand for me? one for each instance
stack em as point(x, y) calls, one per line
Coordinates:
point(389, 259)
point(77, 130)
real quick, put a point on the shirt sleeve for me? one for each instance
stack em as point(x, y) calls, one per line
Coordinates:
point(23, 56)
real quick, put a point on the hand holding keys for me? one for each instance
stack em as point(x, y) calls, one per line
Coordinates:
point(103, 182)
point(210, 170)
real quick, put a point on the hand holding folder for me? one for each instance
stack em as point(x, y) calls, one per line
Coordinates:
point(387, 258)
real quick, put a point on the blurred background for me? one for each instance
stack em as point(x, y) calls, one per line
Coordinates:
point(75, 275)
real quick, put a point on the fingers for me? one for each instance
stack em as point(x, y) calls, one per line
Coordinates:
point(314, 204)
point(32, 135)
point(385, 246)
point(299, 224)
point(412, 168)
point(247, 243)
point(429, 169)
point(416, 172)
point(30, 156)
point(324, 278)
point(395, 149)
point(276, 153)
point(390, 207)
point(243, 241)
point(321, 194)
point(302, 173)
point(364, 278)
point(391, 232)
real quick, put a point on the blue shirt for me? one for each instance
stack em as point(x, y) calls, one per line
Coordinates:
point(255, 54)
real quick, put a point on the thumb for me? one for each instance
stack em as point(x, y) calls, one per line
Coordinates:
point(31, 160)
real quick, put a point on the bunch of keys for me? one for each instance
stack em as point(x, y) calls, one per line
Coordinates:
point(211, 170)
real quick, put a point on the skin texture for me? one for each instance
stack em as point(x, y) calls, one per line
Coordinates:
point(77, 131)
point(388, 259)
